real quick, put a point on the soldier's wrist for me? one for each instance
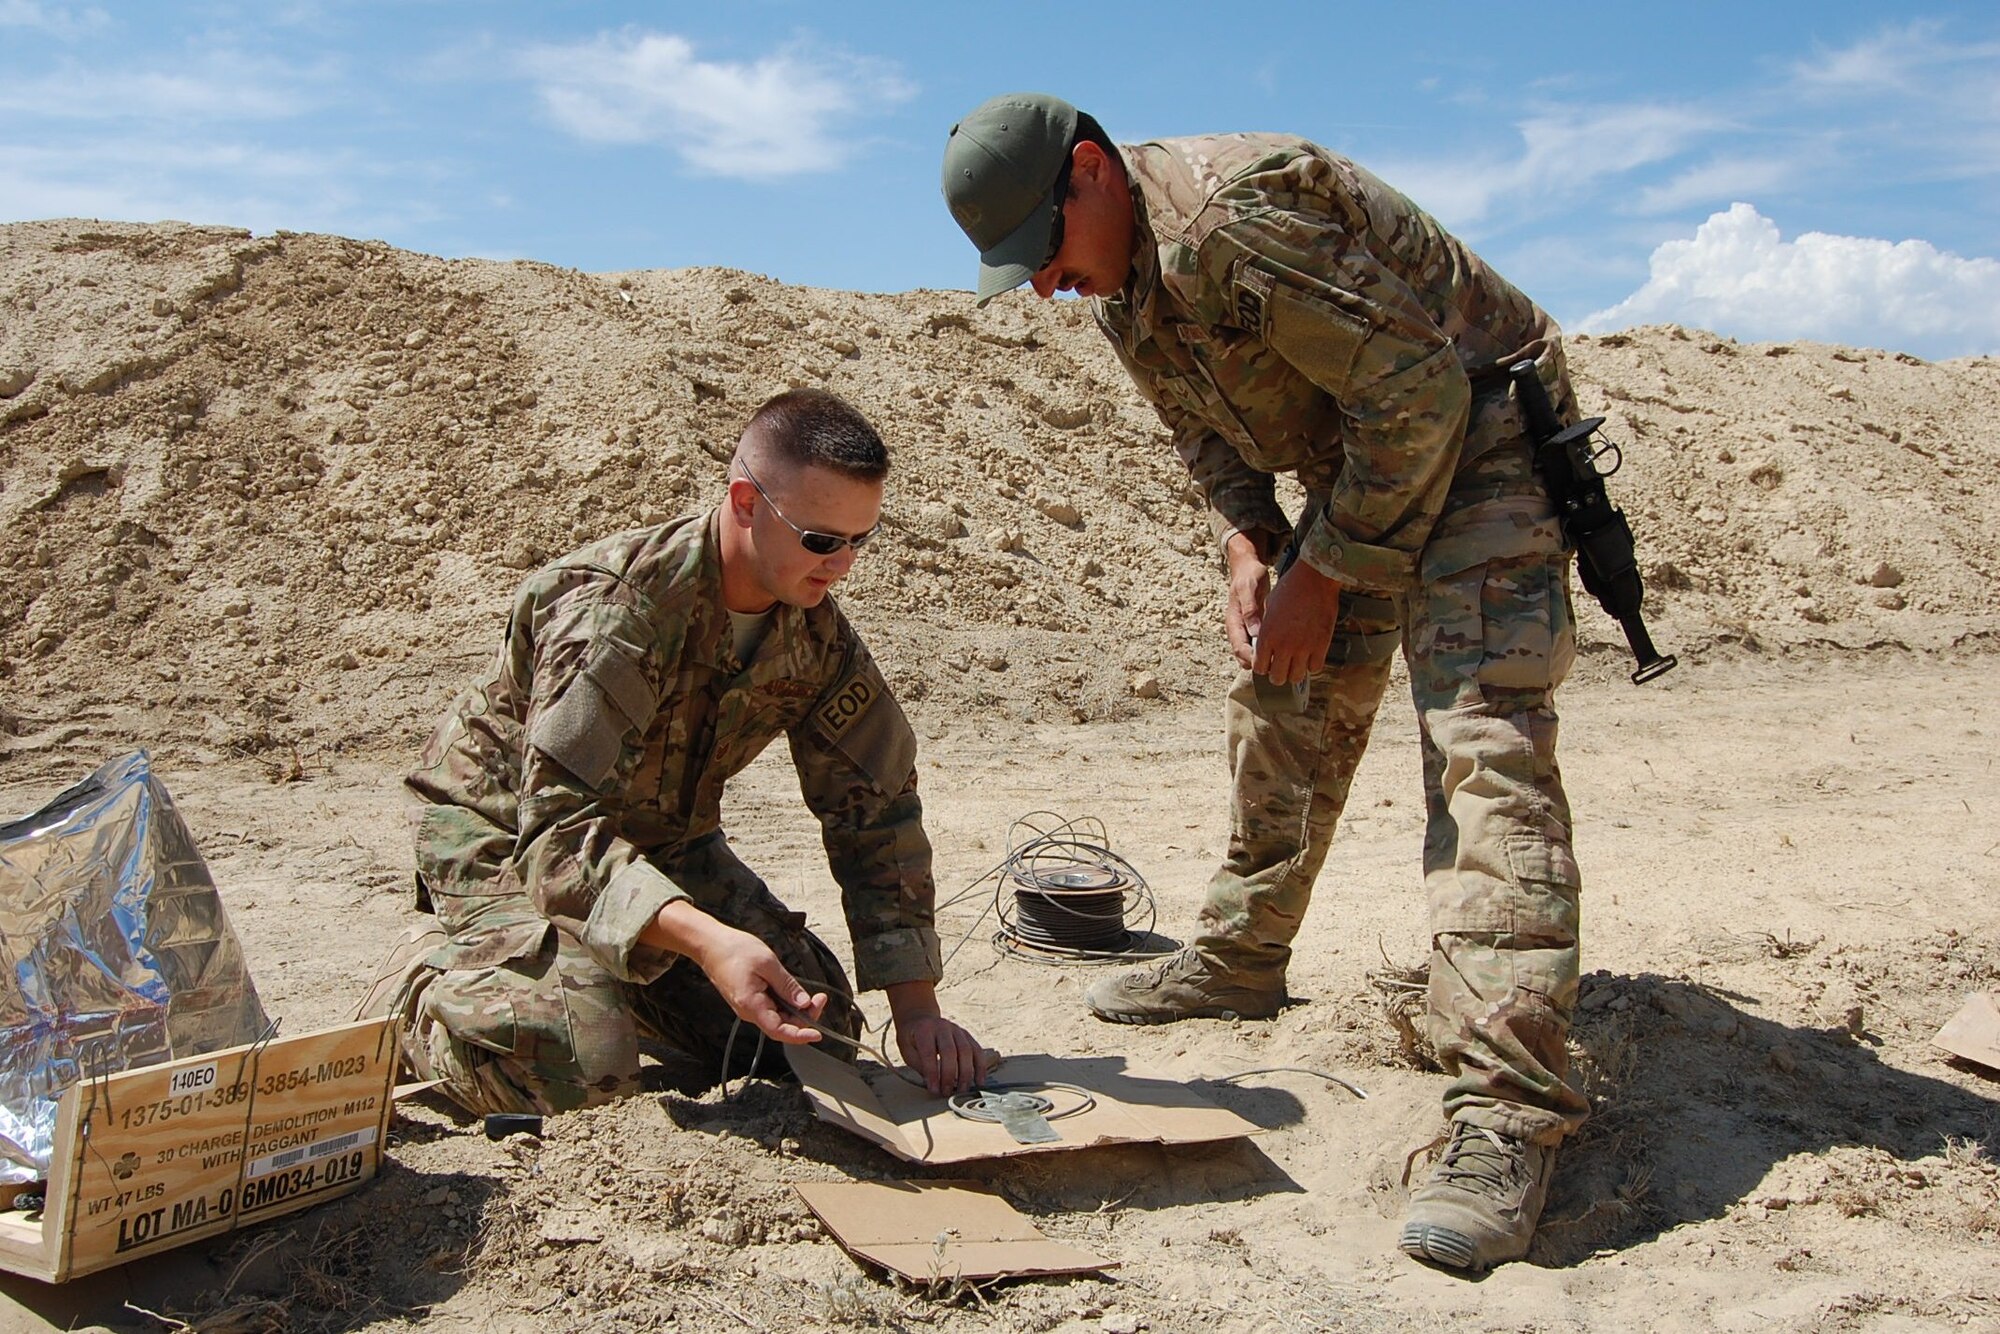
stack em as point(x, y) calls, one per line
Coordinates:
point(911, 1001)
point(682, 928)
point(1241, 547)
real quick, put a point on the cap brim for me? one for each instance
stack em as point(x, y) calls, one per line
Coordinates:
point(1007, 265)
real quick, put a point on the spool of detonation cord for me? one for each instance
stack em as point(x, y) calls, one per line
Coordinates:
point(1074, 908)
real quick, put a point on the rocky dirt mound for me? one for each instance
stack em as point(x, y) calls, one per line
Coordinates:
point(268, 495)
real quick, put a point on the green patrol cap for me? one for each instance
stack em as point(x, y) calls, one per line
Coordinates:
point(1000, 167)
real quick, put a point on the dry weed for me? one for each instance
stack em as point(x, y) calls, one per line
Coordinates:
point(1965, 1153)
point(1404, 994)
point(853, 1300)
point(326, 1288)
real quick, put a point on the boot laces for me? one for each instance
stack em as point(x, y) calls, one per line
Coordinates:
point(1480, 1159)
point(1183, 964)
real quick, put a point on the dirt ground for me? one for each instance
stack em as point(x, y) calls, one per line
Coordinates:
point(1767, 849)
point(261, 501)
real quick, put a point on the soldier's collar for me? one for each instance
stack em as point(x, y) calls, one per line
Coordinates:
point(782, 650)
point(1134, 300)
point(708, 619)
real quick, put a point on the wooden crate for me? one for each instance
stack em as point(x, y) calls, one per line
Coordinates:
point(154, 1158)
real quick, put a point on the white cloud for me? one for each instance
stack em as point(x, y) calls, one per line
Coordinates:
point(1907, 60)
point(57, 20)
point(1912, 105)
point(197, 133)
point(1716, 180)
point(1565, 155)
point(147, 178)
point(1737, 275)
point(1923, 102)
point(775, 116)
point(1567, 146)
point(218, 86)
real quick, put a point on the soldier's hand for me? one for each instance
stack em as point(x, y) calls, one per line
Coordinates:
point(745, 973)
point(947, 1056)
point(1249, 581)
point(1298, 625)
point(936, 1048)
point(760, 989)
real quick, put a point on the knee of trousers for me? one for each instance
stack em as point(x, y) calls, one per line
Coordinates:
point(569, 1042)
point(1495, 780)
point(1520, 891)
point(731, 892)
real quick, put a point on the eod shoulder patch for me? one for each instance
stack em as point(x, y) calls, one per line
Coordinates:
point(1252, 291)
point(847, 704)
point(861, 720)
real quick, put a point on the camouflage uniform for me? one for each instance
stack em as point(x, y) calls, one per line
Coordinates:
point(578, 791)
point(1289, 312)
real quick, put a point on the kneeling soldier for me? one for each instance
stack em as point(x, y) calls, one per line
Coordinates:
point(573, 855)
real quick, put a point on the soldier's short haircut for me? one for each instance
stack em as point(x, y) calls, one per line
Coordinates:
point(812, 426)
point(1089, 131)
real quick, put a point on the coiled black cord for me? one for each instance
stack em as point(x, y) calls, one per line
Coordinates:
point(1063, 896)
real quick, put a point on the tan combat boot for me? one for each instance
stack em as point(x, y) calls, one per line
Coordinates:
point(1187, 985)
point(1482, 1202)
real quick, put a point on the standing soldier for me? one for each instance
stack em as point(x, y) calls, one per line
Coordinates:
point(1285, 311)
point(573, 853)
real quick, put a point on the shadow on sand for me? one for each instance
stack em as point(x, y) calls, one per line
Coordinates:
point(1696, 1100)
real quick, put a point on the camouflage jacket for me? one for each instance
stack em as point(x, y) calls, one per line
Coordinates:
point(1289, 312)
point(614, 715)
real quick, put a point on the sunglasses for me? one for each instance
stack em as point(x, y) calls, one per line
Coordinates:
point(820, 544)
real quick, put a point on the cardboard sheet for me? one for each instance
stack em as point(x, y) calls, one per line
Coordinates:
point(932, 1230)
point(1974, 1032)
point(1133, 1106)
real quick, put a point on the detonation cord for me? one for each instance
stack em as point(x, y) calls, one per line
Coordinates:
point(1350, 1086)
point(880, 1051)
point(1073, 900)
point(991, 1102)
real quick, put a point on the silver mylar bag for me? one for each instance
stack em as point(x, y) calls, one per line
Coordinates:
point(116, 949)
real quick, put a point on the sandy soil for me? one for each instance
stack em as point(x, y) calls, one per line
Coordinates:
point(261, 500)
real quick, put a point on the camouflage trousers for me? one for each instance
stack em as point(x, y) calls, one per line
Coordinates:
point(1487, 641)
point(549, 1029)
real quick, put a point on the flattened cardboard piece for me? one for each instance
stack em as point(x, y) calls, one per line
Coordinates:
point(926, 1230)
point(1134, 1106)
point(1974, 1032)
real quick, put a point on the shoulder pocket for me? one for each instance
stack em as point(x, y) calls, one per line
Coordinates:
point(1313, 334)
point(585, 727)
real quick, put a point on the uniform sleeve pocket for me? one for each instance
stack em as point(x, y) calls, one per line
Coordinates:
point(864, 722)
point(1314, 335)
point(582, 732)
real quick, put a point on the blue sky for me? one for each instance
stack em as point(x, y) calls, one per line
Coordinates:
point(1768, 169)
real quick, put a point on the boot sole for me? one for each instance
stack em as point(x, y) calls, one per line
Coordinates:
point(1440, 1245)
point(1174, 1017)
